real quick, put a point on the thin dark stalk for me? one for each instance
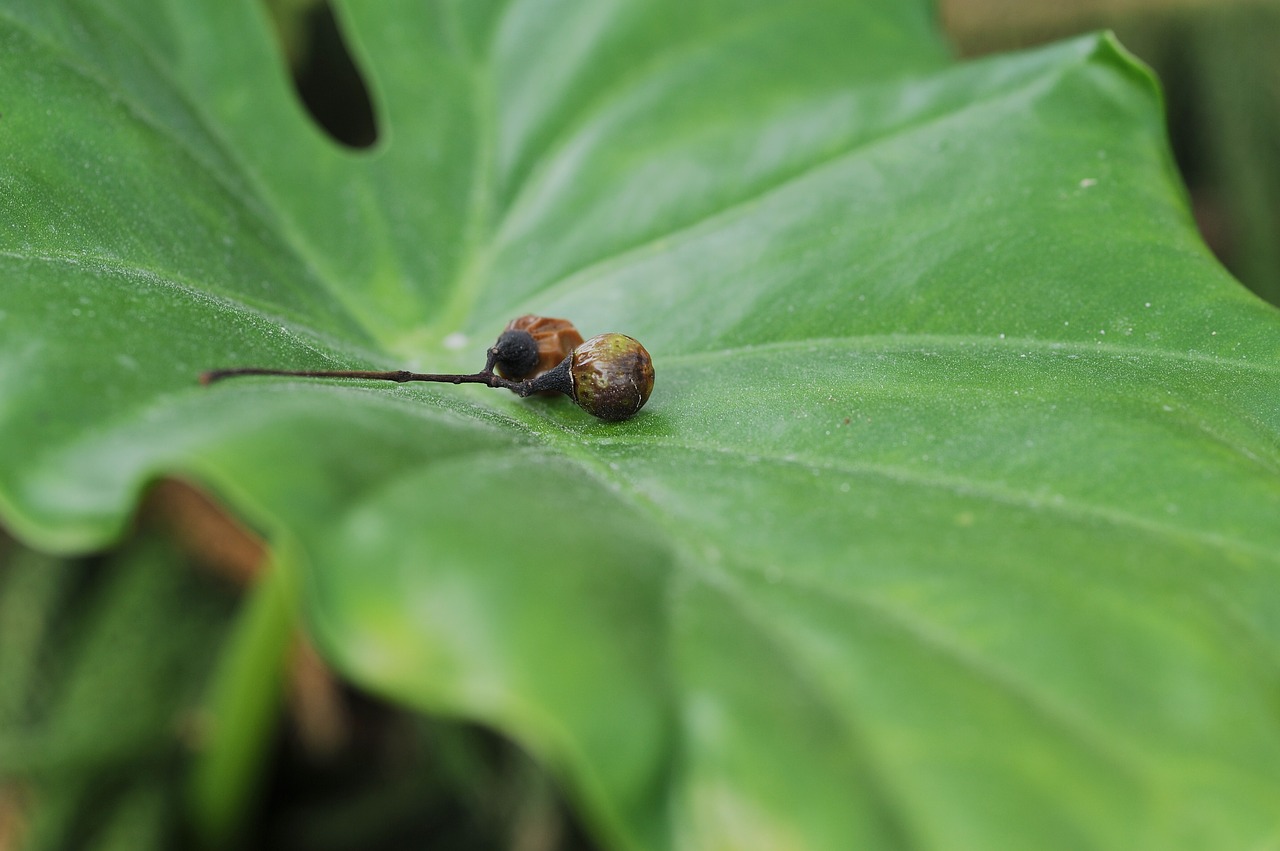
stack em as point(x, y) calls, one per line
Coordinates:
point(400, 375)
point(552, 380)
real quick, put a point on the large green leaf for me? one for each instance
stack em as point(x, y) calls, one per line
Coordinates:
point(952, 522)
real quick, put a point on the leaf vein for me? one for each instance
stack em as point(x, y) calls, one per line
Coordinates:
point(975, 489)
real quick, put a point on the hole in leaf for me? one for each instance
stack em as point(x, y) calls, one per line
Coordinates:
point(325, 75)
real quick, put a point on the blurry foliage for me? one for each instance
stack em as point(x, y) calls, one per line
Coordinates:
point(102, 668)
point(1216, 60)
point(105, 667)
point(1220, 70)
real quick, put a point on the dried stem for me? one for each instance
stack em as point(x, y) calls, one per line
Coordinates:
point(555, 379)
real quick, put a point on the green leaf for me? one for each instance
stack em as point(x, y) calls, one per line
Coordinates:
point(951, 522)
point(101, 669)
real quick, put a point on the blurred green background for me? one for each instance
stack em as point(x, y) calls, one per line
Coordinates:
point(107, 662)
point(1220, 67)
point(1217, 59)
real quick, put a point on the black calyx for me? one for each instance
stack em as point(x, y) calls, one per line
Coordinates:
point(515, 355)
point(556, 380)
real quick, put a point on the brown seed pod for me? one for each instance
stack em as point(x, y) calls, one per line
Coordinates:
point(554, 339)
point(609, 376)
point(612, 376)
